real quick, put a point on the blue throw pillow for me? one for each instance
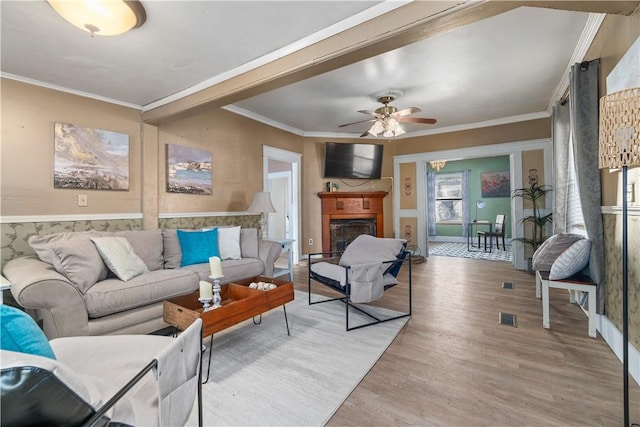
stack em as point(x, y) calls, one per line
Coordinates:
point(198, 246)
point(18, 332)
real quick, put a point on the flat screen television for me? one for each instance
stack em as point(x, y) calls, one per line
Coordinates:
point(354, 161)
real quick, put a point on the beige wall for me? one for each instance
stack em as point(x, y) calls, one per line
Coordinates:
point(521, 131)
point(28, 115)
point(313, 183)
point(236, 145)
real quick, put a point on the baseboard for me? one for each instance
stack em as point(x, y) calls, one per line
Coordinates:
point(613, 337)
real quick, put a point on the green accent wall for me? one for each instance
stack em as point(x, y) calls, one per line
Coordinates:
point(495, 205)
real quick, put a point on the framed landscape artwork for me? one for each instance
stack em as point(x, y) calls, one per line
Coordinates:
point(188, 170)
point(495, 184)
point(90, 158)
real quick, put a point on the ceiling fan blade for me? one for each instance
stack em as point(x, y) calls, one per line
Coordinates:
point(406, 112)
point(417, 120)
point(355, 123)
point(365, 133)
point(371, 113)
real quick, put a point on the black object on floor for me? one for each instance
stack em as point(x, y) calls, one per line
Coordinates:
point(507, 319)
point(507, 285)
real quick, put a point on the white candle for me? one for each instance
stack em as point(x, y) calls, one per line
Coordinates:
point(216, 266)
point(206, 291)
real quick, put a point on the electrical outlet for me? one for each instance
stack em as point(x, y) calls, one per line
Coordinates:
point(310, 242)
point(83, 200)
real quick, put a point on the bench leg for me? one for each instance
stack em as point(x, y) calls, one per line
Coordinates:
point(545, 304)
point(592, 313)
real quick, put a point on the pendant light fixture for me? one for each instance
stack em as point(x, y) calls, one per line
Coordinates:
point(101, 17)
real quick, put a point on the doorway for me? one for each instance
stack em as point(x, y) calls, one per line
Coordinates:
point(281, 178)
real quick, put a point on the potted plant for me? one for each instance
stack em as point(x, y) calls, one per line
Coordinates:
point(534, 193)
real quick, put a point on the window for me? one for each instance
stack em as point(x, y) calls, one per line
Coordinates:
point(448, 198)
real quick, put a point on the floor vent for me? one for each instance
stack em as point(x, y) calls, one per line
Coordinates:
point(507, 319)
point(507, 285)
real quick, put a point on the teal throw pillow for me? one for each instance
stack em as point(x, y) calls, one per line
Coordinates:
point(198, 246)
point(18, 332)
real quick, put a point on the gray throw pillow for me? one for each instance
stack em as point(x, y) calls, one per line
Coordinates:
point(550, 250)
point(79, 261)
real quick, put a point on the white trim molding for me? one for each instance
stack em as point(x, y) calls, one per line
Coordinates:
point(613, 337)
point(201, 214)
point(617, 210)
point(60, 218)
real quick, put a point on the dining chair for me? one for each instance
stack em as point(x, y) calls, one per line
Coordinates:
point(498, 232)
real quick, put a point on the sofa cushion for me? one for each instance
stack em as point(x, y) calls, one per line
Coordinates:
point(198, 246)
point(229, 242)
point(249, 243)
point(546, 254)
point(148, 245)
point(113, 295)
point(118, 254)
point(79, 261)
point(171, 251)
point(42, 244)
point(19, 332)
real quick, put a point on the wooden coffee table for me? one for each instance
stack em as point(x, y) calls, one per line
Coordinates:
point(239, 303)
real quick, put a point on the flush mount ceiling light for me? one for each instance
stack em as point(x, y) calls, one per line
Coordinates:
point(101, 17)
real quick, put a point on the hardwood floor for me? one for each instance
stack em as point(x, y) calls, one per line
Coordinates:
point(453, 364)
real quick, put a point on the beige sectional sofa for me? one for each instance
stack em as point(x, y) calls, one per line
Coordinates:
point(70, 289)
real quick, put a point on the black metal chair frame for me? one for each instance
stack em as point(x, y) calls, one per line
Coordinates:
point(393, 269)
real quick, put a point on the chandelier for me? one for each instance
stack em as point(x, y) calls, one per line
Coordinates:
point(438, 164)
point(387, 126)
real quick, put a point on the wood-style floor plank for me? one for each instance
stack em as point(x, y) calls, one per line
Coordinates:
point(453, 364)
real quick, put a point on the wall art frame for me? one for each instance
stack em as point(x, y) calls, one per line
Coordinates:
point(189, 170)
point(88, 158)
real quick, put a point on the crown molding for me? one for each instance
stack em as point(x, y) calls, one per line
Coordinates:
point(70, 91)
point(61, 218)
point(591, 27)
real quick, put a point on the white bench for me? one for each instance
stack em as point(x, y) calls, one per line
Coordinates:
point(575, 283)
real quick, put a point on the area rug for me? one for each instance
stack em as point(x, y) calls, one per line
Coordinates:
point(459, 250)
point(262, 377)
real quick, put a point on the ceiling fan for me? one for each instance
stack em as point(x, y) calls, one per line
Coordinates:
point(387, 118)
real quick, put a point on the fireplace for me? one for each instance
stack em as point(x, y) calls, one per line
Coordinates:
point(344, 231)
point(346, 215)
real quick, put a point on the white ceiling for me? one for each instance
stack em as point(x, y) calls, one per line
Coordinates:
point(506, 68)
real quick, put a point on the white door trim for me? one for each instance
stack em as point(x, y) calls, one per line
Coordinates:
point(296, 160)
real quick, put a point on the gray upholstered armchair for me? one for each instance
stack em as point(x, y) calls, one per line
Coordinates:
point(122, 379)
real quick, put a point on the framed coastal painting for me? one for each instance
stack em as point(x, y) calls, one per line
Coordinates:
point(89, 158)
point(188, 170)
point(495, 184)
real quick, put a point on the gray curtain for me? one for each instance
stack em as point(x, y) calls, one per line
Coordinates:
point(465, 202)
point(561, 131)
point(431, 203)
point(583, 106)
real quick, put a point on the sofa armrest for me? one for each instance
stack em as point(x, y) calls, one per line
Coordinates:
point(269, 251)
point(38, 286)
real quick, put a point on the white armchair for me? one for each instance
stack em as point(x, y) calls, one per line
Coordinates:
point(98, 380)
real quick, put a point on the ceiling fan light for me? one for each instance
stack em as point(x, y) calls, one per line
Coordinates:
point(399, 131)
point(102, 17)
point(376, 128)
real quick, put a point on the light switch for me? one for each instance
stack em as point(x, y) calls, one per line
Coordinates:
point(82, 200)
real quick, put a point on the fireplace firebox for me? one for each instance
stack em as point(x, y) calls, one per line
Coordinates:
point(346, 215)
